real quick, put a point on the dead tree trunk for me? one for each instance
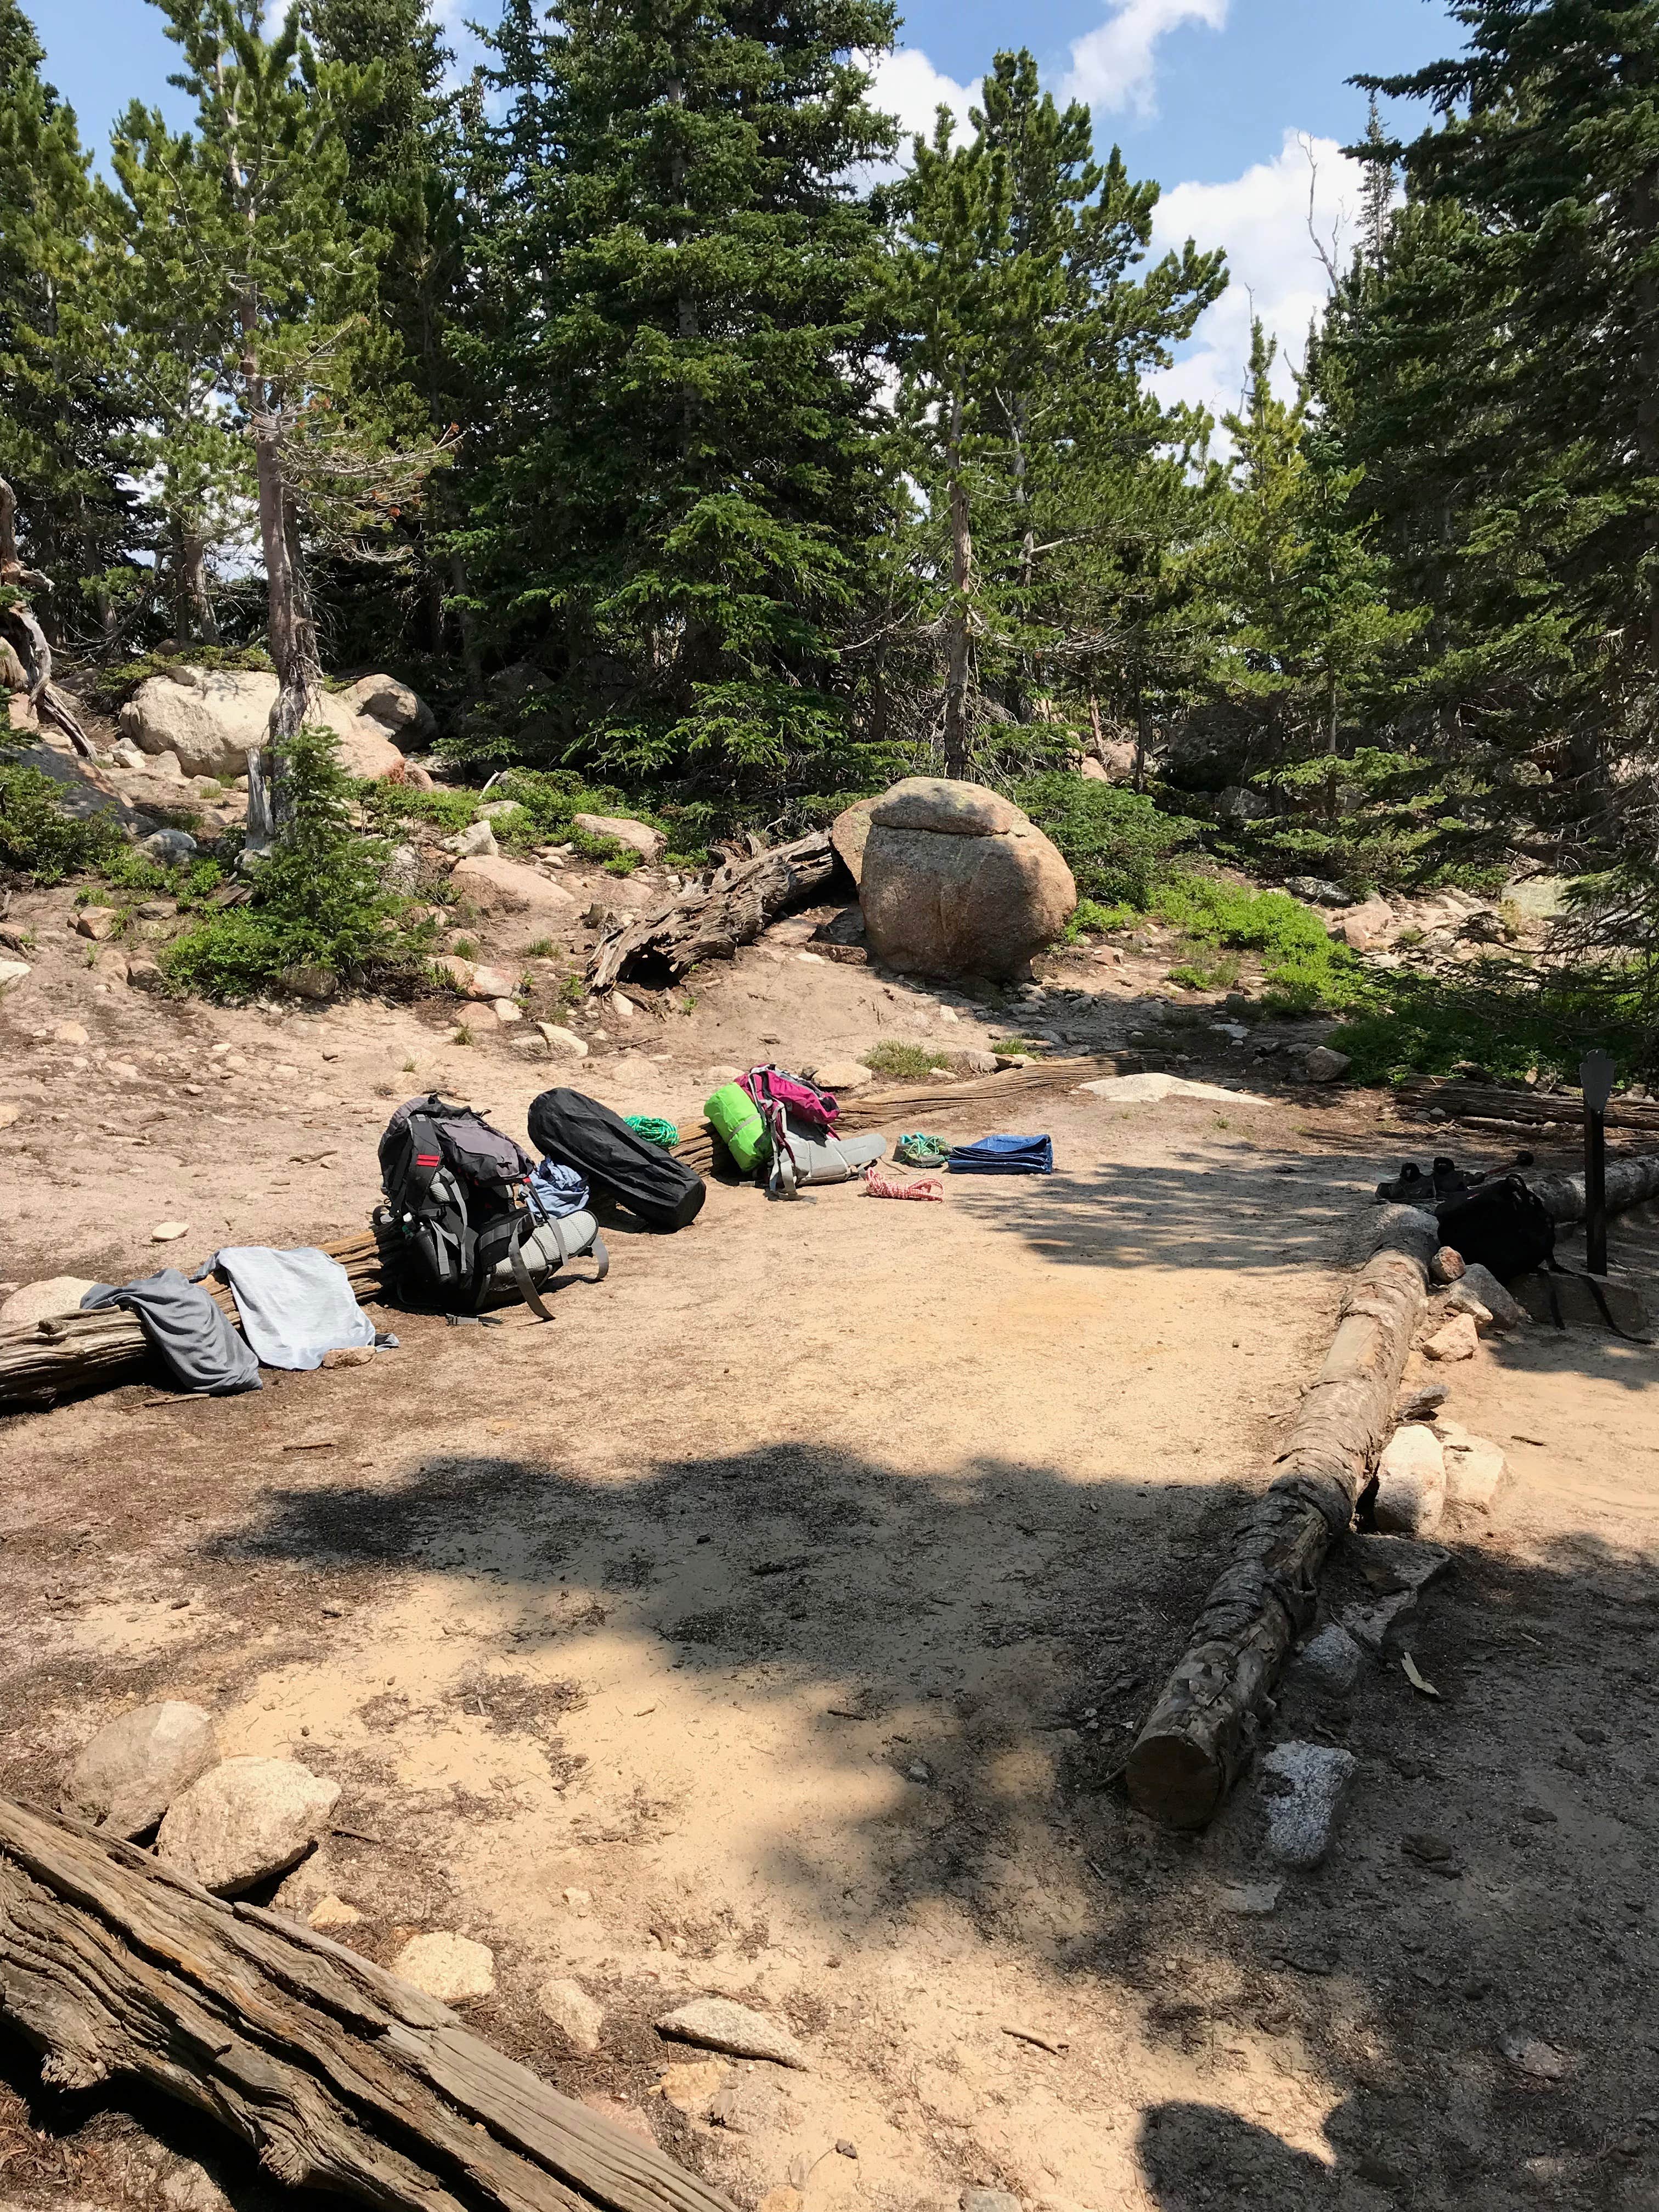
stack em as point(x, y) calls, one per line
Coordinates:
point(711, 919)
point(339, 2075)
point(1491, 1101)
point(956, 630)
point(19, 626)
point(1199, 1735)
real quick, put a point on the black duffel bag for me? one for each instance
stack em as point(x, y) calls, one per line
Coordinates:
point(580, 1133)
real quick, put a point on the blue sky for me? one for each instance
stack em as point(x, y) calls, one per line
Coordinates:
point(1237, 107)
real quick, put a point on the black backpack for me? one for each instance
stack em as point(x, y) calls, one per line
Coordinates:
point(1502, 1225)
point(455, 1199)
point(571, 1128)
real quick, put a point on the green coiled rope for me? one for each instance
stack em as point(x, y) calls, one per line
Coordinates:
point(654, 1130)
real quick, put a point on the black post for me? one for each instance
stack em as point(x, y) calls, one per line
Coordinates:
point(1596, 1073)
point(1595, 1191)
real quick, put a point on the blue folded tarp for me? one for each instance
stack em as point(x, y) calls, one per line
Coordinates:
point(1004, 1156)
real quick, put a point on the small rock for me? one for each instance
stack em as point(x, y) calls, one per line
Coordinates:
point(568, 2006)
point(506, 1012)
point(581, 1902)
point(348, 1355)
point(245, 1821)
point(781, 2199)
point(475, 842)
point(331, 1911)
point(308, 980)
point(752, 2105)
point(836, 1076)
point(45, 1301)
point(403, 869)
point(1447, 1266)
point(133, 1769)
point(562, 1040)
point(846, 2147)
point(168, 1232)
point(692, 2089)
point(1411, 1483)
point(1315, 891)
point(1304, 1784)
point(639, 836)
point(69, 1033)
point(916, 1771)
point(1531, 2056)
point(719, 2024)
point(492, 983)
point(1505, 1312)
point(1476, 1471)
point(1395, 1563)
point(1322, 1064)
point(95, 922)
point(1458, 1340)
point(12, 971)
point(447, 1966)
point(1422, 1403)
point(1331, 1662)
point(978, 1061)
point(167, 847)
point(1254, 1899)
point(990, 2200)
point(145, 974)
point(622, 1006)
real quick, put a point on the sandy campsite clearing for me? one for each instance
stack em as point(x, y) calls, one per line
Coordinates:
point(773, 1624)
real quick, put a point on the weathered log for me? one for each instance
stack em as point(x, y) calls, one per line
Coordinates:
point(43, 1361)
point(1630, 1182)
point(1496, 1101)
point(1199, 1735)
point(940, 1101)
point(709, 920)
point(338, 2073)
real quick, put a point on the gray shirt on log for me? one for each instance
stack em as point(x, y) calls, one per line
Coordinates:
point(196, 1343)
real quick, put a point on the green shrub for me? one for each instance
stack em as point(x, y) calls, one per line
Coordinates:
point(41, 839)
point(1516, 1021)
point(1091, 919)
point(903, 1062)
point(1014, 1044)
point(1304, 970)
point(319, 901)
point(1117, 844)
point(1203, 969)
point(112, 687)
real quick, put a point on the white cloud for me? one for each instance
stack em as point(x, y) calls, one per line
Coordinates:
point(1115, 66)
point(1276, 271)
point(905, 83)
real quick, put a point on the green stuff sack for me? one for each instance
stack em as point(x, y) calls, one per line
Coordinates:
point(737, 1122)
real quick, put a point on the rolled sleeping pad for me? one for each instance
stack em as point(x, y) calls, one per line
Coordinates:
point(736, 1121)
point(834, 1159)
point(551, 1243)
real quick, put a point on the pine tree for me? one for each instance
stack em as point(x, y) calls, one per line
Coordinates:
point(1540, 192)
point(252, 265)
point(63, 435)
point(673, 352)
point(1025, 331)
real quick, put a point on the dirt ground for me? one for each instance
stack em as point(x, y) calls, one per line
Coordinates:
point(775, 1622)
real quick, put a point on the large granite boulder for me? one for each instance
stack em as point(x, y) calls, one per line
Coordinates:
point(956, 880)
point(403, 713)
point(210, 719)
point(850, 833)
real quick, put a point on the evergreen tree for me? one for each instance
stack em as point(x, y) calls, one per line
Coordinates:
point(1540, 192)
point(1026, 333)
point(673, 354)
point(242, 253)
point(63, 445)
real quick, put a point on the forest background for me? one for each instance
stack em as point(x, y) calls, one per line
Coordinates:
point(671, 428)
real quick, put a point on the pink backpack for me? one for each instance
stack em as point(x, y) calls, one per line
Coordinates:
point(780, 1099)
point(769, 1086)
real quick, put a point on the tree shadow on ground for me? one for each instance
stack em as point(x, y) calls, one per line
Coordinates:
point(1494, 1878)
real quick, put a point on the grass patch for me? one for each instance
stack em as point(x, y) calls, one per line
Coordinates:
point(1305, 971)
point(540, 949)
point(1011, 1044)
point(904, 1062)
point(1091, 919)
point(1206, 969)
point(1518, 1022)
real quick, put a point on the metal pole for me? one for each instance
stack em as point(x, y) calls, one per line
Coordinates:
point(1596, 1073)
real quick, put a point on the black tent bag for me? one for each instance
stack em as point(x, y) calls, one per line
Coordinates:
point(580, 1133)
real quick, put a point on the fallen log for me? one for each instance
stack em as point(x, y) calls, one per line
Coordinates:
point(1199, 1734)
point(939, 1102)
point(1495, 1101)
point(339, 2075)
point(709, 920)
point(1630, 1182)
point(43, 1361)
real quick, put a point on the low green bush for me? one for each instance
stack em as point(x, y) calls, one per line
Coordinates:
point(1117, 844)
point(319, 901)
point(1518, 1022)
point(1305, 970)
point(40, 839)
point(903, 1062)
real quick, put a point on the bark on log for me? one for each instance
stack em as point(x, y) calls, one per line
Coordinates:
point(1199, 1735)
point(1630, 1182)
point(338, 2074)
point(1491, 1101)
point(709, 920)
point(43, 1361)
point(940, 1101)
